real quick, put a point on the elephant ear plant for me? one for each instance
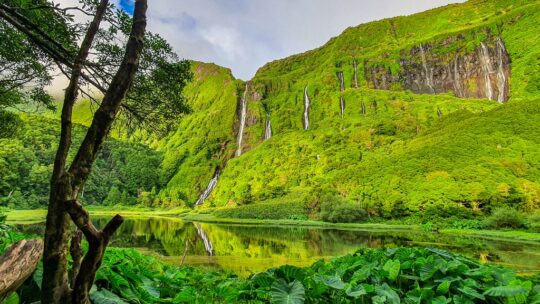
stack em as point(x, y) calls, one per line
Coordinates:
point(400, 275)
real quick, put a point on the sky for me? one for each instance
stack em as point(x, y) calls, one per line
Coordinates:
point(243, 35)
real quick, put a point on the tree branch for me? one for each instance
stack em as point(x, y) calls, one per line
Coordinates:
point(112, 100)
point(97, 244)
point(73, 89)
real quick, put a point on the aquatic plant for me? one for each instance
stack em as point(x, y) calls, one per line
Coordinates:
point(398, 275)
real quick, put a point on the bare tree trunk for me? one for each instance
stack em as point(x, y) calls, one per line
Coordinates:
point(66, 185)
point(17, 264)
point(76, 252)
point(55, 288)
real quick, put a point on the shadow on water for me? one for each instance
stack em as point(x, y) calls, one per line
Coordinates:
point(246, 249)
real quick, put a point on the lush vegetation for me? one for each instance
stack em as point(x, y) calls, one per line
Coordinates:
point(397, 275)
point(397, 154)
point(394, 155)
point(122, 172)
point(376, 276)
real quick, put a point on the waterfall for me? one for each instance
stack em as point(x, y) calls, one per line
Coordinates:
point(457, 79)
point(488, 70)
point(211, 185)
point(342, 106)
point(363, 108)
point(306, 109)
point(355, 66)
point(439, 112)
point(267, 128)
point(341, 89)
point(341, 81)
point(428, 72)
point(243, 114)
point(206, 241)
point(501, 76)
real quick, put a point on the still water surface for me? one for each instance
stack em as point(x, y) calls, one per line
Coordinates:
point(246, 249)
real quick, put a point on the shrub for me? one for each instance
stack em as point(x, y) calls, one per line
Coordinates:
point(466, 224)
point(339, 210)
point(269, 210)
point(505, 218)
point(534, 222)
point(3, 214)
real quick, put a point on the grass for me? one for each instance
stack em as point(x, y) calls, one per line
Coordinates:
point(36, 216)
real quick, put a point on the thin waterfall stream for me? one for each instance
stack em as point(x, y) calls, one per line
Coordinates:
point(213, 182)
point(243, 114)
point(268, 128)
point(501, 76)
point(306, 109)
point(488, 70)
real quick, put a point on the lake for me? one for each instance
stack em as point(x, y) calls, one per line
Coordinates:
point(246, 249)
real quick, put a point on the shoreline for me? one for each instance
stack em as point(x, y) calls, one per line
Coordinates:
point(36, 216)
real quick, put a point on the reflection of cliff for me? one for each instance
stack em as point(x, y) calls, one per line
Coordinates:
point(164, 236)
point(295, 243)
point(249, 248)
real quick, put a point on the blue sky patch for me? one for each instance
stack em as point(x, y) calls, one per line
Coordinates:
point(128, 6)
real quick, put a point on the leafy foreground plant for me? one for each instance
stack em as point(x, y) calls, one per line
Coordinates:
point(401, 275)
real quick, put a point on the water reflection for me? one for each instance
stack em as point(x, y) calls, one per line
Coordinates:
point(247, 249)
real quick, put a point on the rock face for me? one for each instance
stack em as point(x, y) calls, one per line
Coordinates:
point(431, 68)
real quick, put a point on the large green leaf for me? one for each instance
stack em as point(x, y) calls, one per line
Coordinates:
point(472, 293)
point(104, 296)
point(444, 287)
point(331, 281)
point(506, 291)
point(385, 291)
point(290, 273)
point(287, 293)
point(427, 271)
point(356, 291)
point(363, 273)
point(440, 300)
point(392, 267)
point(263, 280)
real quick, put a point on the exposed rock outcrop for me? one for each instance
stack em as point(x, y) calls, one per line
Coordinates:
point(432, 68)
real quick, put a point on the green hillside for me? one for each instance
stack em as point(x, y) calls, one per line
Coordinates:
point(204, 139)
point(373, 143)
point(396, 153)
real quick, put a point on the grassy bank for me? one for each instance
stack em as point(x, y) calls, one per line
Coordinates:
point(37, 216)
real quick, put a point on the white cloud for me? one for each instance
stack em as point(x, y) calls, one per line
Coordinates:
point(224, 40)
point(245, 34)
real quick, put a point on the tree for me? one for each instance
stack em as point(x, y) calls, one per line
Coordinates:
point(114, 197)
point(140, 84)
